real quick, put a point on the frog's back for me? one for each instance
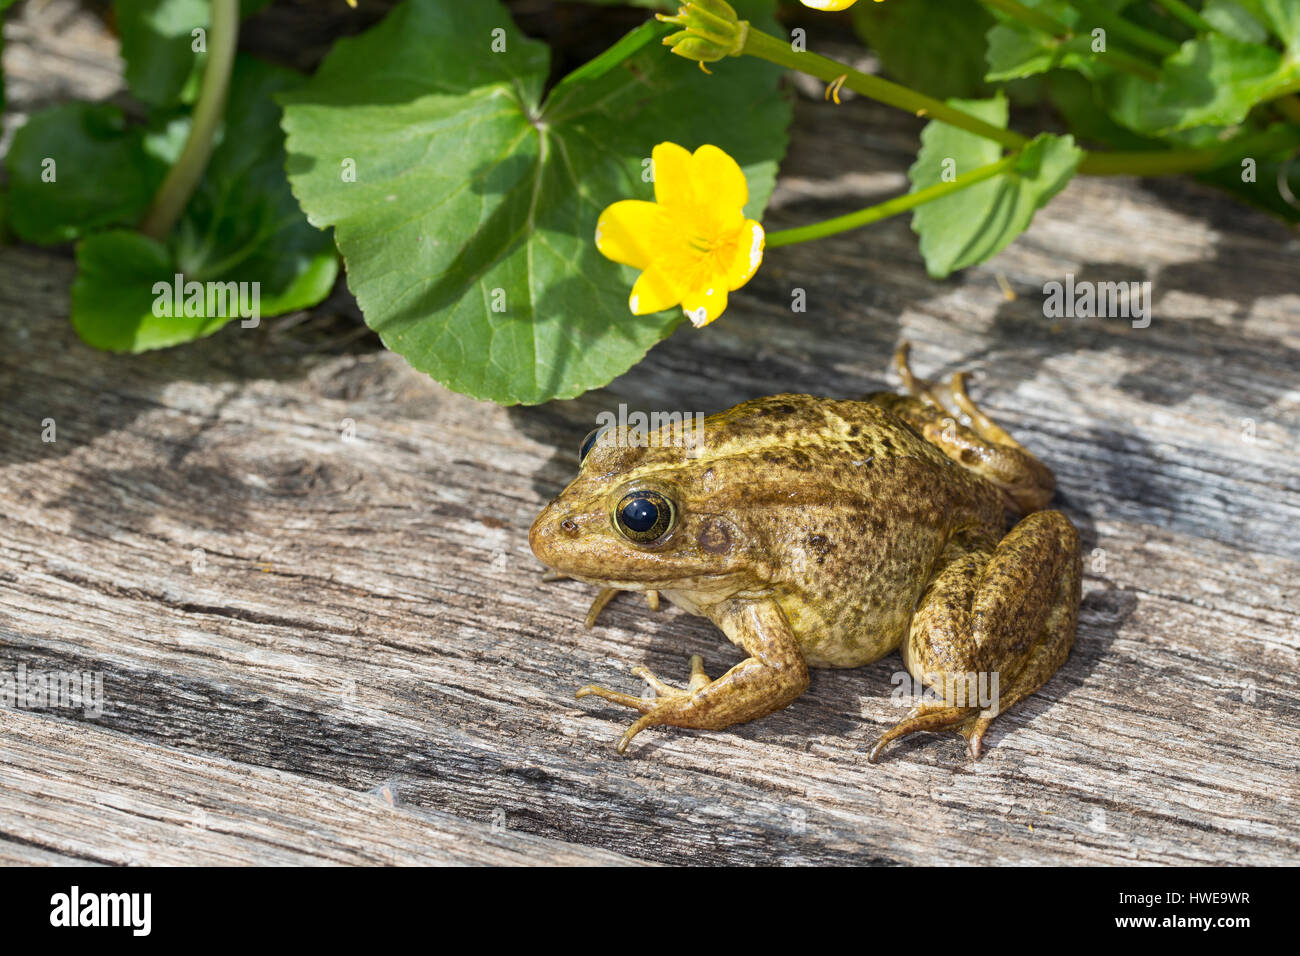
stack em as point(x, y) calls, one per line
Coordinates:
point(853, 508)
point(838, 437)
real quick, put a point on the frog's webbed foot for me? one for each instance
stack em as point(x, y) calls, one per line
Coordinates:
point(929, 717)
point(992, 627)
point(645, 704)
point(935, 410)
point(772, 676)
point(648, 705)
point(698, 679)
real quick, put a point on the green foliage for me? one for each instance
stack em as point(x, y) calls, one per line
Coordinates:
point(464, 194)
point(81, 171)
point(468, 232)
point(76, 168)
point(242, 225)
point(935, 46)
point(979, 221)
point(1211, 81)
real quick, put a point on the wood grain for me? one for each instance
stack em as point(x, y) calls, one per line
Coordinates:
point(366, 612)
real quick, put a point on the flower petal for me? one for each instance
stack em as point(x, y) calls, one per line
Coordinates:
point(748, 255)
point(718, 177)
point(654, 291)
point(702, 306)
point(672, 165)
point(829, 4)
point(629, 231)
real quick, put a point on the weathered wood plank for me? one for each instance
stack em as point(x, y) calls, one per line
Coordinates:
point(91, 796)
point(367, 612)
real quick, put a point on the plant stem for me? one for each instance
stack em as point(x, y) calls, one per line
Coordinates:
point(1159, 162)
point(1148, 163)
point(1139, 36)
point(892, 207)
point(1129, 164)
point(184, 176)
point(1156, 163)
point(1189, 16)
point(769, 48)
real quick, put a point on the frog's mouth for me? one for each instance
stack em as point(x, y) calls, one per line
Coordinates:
point(580, 545)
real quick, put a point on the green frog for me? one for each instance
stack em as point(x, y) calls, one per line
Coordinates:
point(816, 532)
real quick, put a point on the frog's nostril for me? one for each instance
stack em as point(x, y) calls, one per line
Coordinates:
point(569, 527)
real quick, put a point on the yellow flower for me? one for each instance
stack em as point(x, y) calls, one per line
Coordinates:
point(830, 4)
point(693, 244)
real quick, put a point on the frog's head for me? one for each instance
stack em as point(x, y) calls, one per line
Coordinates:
point(660, 514)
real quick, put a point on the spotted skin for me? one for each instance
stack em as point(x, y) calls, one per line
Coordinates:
point(818, 532)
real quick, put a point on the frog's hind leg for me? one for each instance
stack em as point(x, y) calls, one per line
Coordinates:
point(935, 411)
point(992, 627)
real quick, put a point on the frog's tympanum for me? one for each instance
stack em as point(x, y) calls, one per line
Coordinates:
point(824, 533)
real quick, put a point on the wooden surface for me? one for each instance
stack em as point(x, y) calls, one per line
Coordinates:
point(365, 666)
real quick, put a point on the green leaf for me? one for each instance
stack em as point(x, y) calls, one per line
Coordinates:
point(1081, 105)
point(1281, 17)
point(241, 226)
point(114, 294)
point(469, 230)
point(933, 46)
point(76, 168)
point(1016, 51)
point(1231, 18)
point(162, 67)
point(1213, 80)
point(974, 224)
point(664, 5)
point(1268, 168)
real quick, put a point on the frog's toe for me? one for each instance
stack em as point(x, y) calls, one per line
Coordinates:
point(608, 594)
point(920, 719)
point(698, 679)
point(604, 597)
point(643, 704)
point(973, 730)
point(664, 690)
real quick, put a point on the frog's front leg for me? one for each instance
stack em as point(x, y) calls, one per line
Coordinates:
point(771, 677)
point(602, 599)
point(1004, 614)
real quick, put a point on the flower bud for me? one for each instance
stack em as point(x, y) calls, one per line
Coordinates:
point(710, 30)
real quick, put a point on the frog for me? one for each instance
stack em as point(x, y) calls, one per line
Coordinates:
point(817, 532)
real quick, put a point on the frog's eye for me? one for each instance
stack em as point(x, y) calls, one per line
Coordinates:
point(644, 516)
point(589, 443)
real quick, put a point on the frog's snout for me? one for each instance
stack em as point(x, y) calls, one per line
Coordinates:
point(551, 531)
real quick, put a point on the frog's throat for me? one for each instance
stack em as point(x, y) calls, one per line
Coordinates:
point(713, 585)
